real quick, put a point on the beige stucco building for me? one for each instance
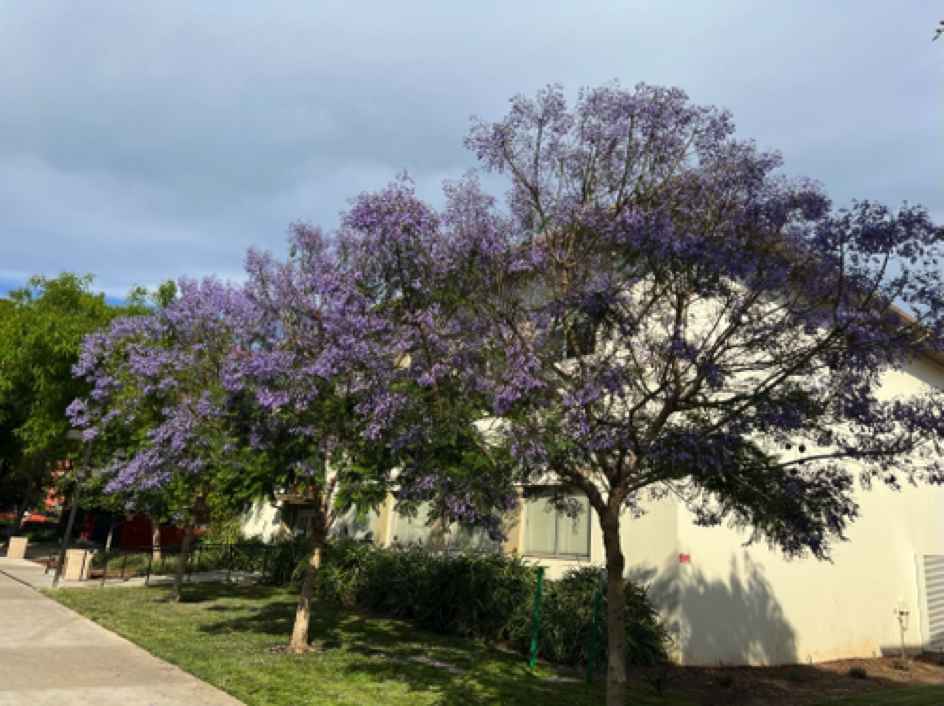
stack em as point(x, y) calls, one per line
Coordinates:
point(724, 601)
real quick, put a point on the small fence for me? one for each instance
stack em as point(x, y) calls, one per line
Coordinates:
point(223, 561)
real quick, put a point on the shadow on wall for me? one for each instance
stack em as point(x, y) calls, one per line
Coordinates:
point(737, 620)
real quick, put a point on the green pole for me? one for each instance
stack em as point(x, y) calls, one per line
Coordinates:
point(597, 608)
point(537, 619)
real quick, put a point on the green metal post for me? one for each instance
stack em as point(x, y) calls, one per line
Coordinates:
point(594, 627)
point(537, 619)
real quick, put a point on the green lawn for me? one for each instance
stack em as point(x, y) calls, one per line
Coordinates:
point(224, 634)
point(915, 696)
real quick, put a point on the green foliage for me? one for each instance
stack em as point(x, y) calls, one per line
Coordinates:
point(224, 524)
point(245, 556)
point(290, 560)
point(567, 615)
point(487, 596)
point(41, 329)
point(140, 298)
point(41, 531)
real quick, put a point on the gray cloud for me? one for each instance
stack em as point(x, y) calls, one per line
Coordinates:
point(142, 141)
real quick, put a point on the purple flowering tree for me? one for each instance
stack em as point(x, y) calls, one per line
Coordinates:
point(161, 378)
point(418, 353)
point(343, 375)
point(660, 312)
point(297, 394)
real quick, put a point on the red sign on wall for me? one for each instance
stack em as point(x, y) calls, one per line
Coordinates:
point(685, 558)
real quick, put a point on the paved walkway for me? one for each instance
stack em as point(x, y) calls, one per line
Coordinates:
point(50, 655)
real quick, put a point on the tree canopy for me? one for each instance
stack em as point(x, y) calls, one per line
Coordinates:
point(658, 312)
point(42, 326)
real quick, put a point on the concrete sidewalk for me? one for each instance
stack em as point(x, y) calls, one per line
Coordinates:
point(52, 655)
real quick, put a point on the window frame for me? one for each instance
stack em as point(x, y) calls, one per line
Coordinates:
point(415, 525)
point(542, 492)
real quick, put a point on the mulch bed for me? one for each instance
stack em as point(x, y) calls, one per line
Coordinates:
point(793, 685)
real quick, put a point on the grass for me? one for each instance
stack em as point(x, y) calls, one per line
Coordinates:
point(914, 696)
point(228, 635)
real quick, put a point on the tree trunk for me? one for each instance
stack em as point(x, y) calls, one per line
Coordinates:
point(615, 632)
point(182, 558)
point(111, 532)
point(299, 641)
point(21, 508)
point(155, 540)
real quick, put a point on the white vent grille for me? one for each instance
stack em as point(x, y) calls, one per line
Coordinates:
point(934, 600)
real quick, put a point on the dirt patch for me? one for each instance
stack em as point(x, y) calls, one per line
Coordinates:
point(792, 685)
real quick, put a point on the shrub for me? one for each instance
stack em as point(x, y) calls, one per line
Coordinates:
point(487, 596)
point(659, 676)
point(41, 531)
point(567, 617)
point(290, 559)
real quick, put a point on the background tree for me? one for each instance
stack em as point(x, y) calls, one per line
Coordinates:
point(343, 375)
point(41, 329)
point(165, 375)
point(118, 441)
point(297, 394)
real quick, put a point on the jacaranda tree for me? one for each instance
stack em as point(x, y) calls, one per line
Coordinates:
point(164, 375)
point(333, 376)
point(297, 402)
point(417, 357)
point(658, 312)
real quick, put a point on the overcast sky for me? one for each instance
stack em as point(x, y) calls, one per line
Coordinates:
point(142, 141)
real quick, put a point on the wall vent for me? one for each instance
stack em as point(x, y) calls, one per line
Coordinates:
point(933, 585)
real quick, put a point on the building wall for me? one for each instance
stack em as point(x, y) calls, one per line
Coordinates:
point(726, 602)
point(751, 606)
point(262, 520)
point(748, 605)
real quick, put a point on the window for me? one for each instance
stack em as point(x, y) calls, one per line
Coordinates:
point(412, 530)
point(303, 520)
point(582, 333)
point(553, 533)
point(354, 525)
point(471, 539)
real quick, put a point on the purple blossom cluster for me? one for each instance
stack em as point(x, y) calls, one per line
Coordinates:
point(655, 299)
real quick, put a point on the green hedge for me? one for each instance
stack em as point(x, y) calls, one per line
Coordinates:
point(477, 595)
point(247, 556)
point(46, 532)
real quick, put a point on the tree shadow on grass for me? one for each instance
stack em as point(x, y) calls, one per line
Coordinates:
point(382, 650)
